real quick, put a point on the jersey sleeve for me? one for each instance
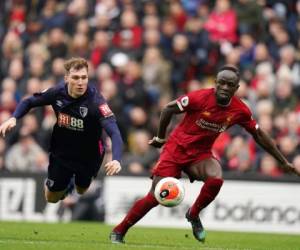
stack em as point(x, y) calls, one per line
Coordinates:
point(104, 111)
point(189, 101)
point(108, 123)
point(38, 99)
point(247, 121)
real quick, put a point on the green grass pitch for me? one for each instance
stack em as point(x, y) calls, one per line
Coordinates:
point(90, 236)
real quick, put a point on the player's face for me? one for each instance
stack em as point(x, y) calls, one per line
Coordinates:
point(77, 81)
point(226, 85)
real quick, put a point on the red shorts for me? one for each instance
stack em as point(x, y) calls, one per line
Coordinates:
point(171, 162)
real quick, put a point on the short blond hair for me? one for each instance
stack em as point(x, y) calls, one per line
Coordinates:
point(75, 63)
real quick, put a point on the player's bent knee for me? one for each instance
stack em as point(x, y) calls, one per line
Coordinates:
point(81, 190)
point(214, 173)
point(52, 199)
point(213, 170)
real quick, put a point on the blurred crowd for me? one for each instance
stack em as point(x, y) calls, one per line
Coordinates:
point(143, 54)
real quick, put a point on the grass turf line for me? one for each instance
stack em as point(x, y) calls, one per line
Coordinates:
point(90, 236)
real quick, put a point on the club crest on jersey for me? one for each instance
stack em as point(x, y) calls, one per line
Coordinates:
point(184, 101)
point(206, 113)
point(83, 111)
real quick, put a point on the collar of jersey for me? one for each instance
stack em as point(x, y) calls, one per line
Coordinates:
point(78, 98)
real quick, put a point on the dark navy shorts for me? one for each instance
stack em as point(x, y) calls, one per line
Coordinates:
point(61, 171)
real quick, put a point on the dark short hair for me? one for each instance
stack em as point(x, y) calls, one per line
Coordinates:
point(75, 63)
point(230, 68)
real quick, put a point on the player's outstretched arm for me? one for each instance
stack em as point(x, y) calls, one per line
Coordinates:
point(165, 117)
point(267, 143)
point(7, 125)
point(110, 126)
point(23, 108)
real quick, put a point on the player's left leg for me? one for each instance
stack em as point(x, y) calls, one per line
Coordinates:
point(53, 197)
point(58, 180)
point(81, 190)
point(82, 182)
point(209, 171)
point(85, 173)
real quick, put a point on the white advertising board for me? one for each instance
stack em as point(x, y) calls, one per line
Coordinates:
point(18, 201)
point(240, 205)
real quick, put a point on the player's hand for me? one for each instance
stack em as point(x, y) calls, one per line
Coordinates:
point(7, 125)
point(290, 168)
point(112, 167)
point(157, 142)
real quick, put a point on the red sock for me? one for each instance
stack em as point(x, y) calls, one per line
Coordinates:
point(207, 194)
point(139, 210)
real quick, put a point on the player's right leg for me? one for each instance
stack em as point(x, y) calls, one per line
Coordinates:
point(58, 180)
point(210, 171)
point(84, 175)
point(166, 166)
point(139, 209)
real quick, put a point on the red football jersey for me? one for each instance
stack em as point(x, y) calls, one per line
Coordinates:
point(204, 120)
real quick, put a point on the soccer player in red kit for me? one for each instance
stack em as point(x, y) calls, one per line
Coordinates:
point(208, 112)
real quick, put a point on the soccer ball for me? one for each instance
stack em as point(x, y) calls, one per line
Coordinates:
point(169, 192)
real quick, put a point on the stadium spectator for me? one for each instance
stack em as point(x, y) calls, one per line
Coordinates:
point(180, 58)
point(250, 17)
point(100, 47)
point(151, 22)
point(247, 48)
point(278, 38)
point(57, 71)
point(178, 14)
point(268, 166)
point(142, 156)
point(28, 126)
point(222, 23)
point(156, 74)
point(284, 97)
point(168, 31)
point(130, 30)
point(238, 155)
point(289, 67)
point(57, 44)
point(27, 156)
point(7, 101)
point(199, 45)
point(151, 38)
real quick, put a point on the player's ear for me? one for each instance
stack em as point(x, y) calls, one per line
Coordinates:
point(66, 77)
